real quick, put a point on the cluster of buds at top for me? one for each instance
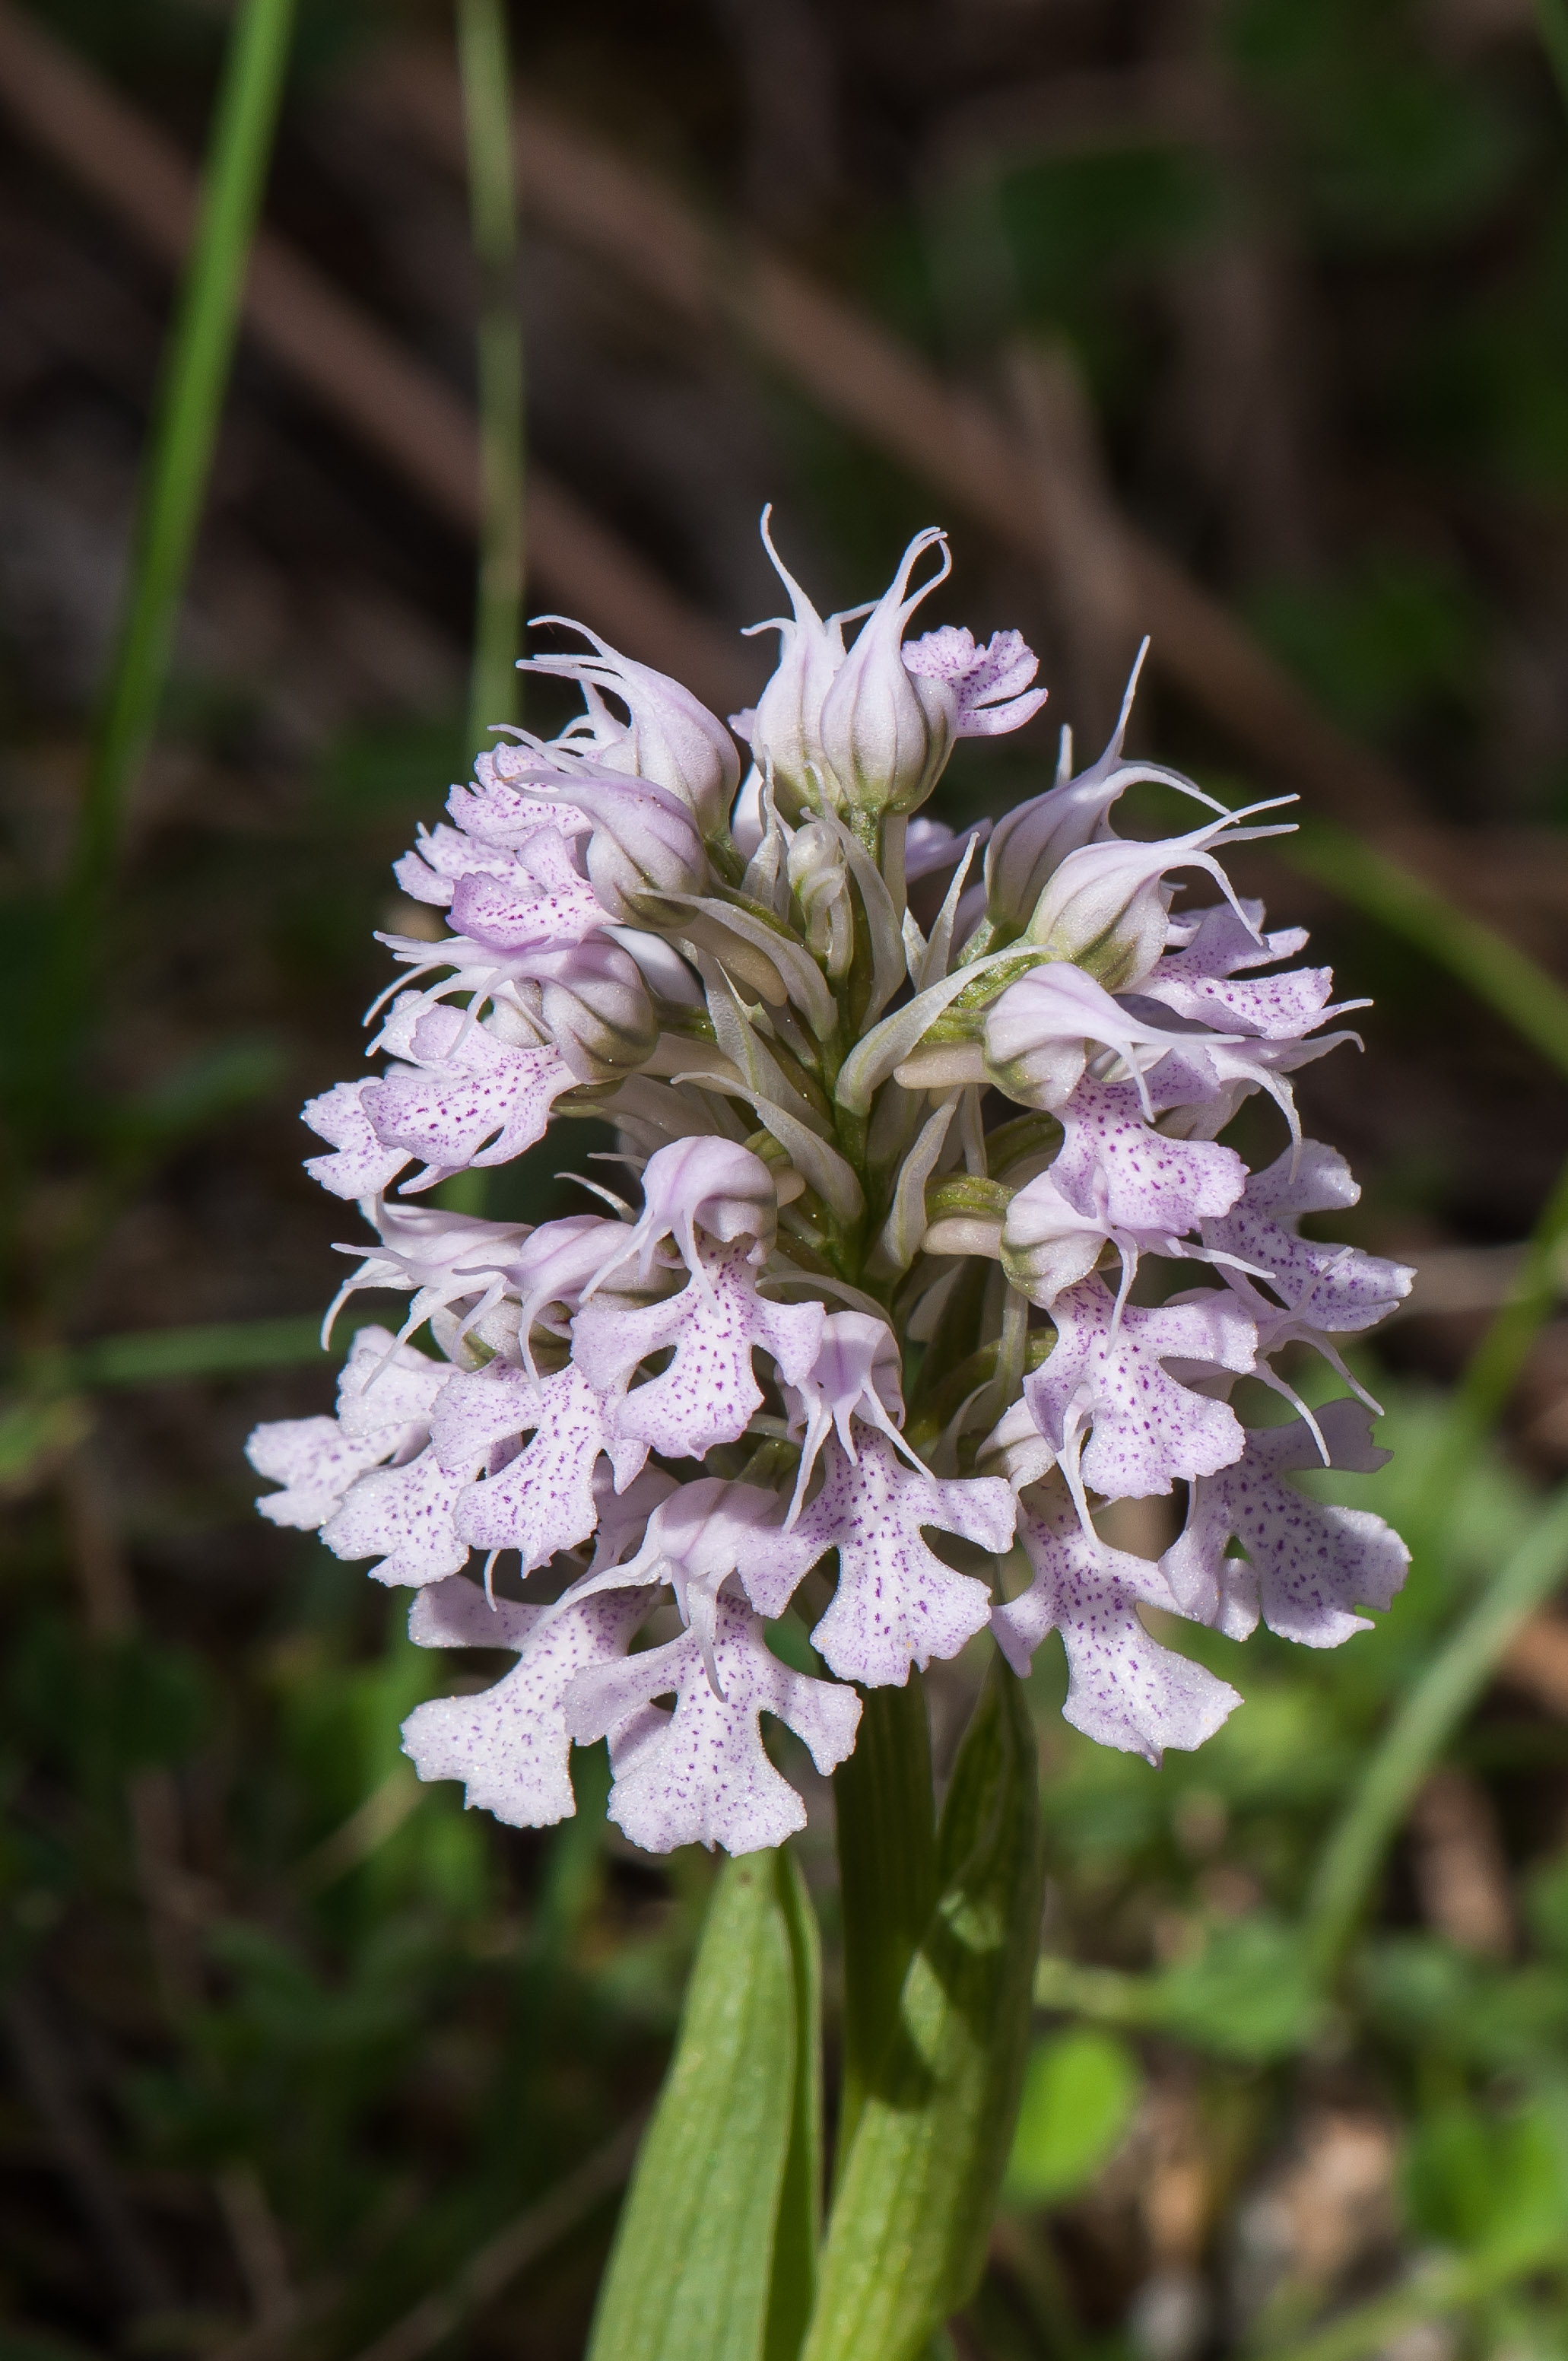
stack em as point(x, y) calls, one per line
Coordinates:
point(865, 1352)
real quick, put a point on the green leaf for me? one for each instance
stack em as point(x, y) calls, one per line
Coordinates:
point(1476, 2180)
point(713, 2257)
point(154, 1357)
point(887, 1878)
point(1250, 1993)
point(199, 1092)
point(799, 2224)
point(1079, 2091)
point(907, 2236)
point(35, 1435)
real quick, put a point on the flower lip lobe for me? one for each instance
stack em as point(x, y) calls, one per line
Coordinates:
point(761, 1378)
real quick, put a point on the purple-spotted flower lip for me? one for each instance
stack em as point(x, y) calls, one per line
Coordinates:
point(1119, 1422)
point(988, 682)
point(1125, 1689)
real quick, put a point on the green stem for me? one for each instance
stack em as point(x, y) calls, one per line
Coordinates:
point(1450, 2287)
point(1508, 981)
point(492, 206)
point(1493, 1367)
point(1533, 1002)
point(887, 1878)
point(185, 424)
point(1442, 1695)
point(150, 1356)
point(1552, 16)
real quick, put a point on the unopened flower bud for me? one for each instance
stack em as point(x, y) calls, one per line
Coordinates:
point(1105, 907)
point(1031, 842)
point(597, 1010)
point(820, 882)
point(670, 738)
point(783, 729)
point(964, 1214)
point(645, 842)
point(886, 732)
point(663, 970)
point(1040, 1032)
point(788, 1183)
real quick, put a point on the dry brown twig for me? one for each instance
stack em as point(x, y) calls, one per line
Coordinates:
point(489, 2271)
point(399, 408)
point(43, 2067)
point(177, 1905)
point(1460, 1871)
point(854, 369)
point(880, 387)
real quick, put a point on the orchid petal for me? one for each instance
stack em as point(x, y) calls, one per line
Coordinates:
point(700, 1776)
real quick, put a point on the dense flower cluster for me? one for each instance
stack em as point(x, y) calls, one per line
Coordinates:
point(896, 1182)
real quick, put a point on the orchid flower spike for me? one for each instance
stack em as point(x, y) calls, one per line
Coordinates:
point(899, 1171)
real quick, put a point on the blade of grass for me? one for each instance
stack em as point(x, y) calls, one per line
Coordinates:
point(1552, 16)
point(164, 1356)
point(489, 2272)
point(1507, 979)
point(1442, 1695)
point(186, 414)
point(492, 207)
point(1493, 1367)
point(367, 1828)
point(1525, 997)
point(1447, 2287)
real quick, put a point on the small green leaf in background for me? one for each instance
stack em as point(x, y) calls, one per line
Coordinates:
point(712, 2260)
point(1080, 2090)
point(1475, 2180)
point(1250, 1993)
point(35, 1436)
point(907, 2236)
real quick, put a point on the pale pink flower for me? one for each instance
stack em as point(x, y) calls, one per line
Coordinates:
point(700, 1392)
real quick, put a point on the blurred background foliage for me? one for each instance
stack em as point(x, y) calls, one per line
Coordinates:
point(298, 2059)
